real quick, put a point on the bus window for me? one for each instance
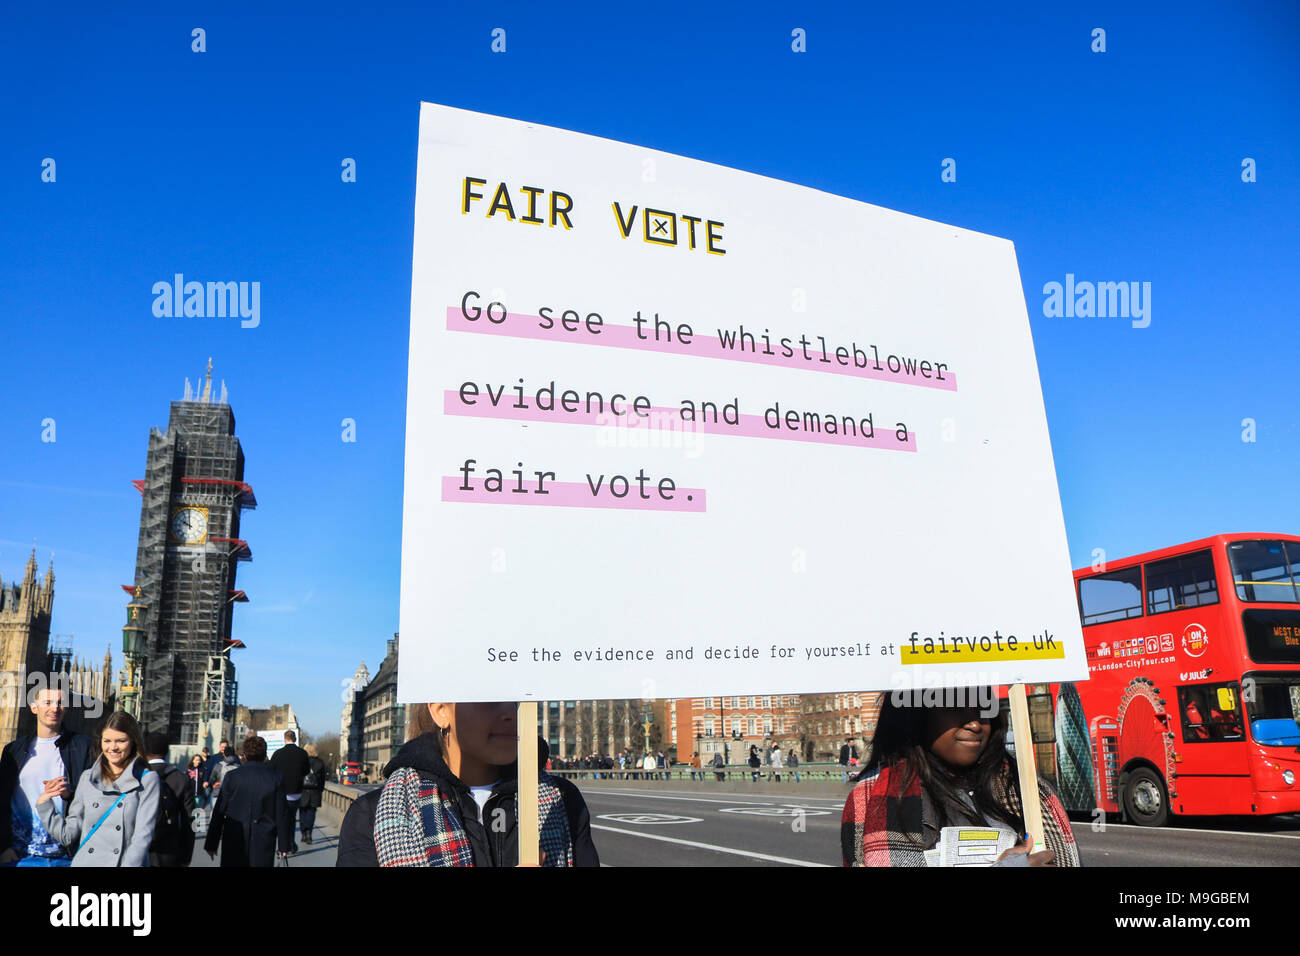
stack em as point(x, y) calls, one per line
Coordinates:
point(1210, 712)
point(1274, 706)
point(1266, 571)
point(1184, 581)
point(1116, 596)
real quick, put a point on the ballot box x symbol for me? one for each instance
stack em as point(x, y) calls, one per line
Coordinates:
point(661, 227)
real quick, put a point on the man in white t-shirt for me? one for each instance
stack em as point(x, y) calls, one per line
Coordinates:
point(25, 766)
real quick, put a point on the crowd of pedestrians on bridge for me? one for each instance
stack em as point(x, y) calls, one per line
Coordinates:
point(449, 794)
point(626, 766)
point(69, 799)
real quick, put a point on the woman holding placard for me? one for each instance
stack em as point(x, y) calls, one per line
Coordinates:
point(934, 771)
point(449, 798)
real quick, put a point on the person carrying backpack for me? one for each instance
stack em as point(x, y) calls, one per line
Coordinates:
point(173, 835)
point(313, 788)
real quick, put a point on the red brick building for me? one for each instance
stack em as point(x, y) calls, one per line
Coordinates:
point(829, 720)
point(731, 724)
point(816, 725)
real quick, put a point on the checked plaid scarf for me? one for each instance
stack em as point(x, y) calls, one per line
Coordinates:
point(419, 824)
point(883, 827)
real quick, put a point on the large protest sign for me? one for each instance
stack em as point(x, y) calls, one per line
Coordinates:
point(678, 430)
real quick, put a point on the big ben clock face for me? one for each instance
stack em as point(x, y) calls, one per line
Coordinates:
point(189, 525)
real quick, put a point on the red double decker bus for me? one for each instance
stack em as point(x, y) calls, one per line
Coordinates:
point(1193, 700)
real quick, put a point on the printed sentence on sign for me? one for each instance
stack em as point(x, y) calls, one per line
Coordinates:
point(738, 652)
point(729, 341)
point(586, 404)
point(618, 486)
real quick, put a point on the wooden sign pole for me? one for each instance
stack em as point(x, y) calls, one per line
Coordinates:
point(529, 837)
point(1026, 762)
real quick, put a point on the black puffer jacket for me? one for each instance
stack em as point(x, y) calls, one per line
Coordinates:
point(357, 835)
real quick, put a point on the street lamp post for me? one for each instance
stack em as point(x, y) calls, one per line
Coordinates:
point(722, 715)
point(647, 718)
point(135, 644)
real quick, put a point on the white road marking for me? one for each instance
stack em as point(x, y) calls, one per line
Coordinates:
point(1134, 826)
point(776, 811)
point(709, 846)
point(648, 819)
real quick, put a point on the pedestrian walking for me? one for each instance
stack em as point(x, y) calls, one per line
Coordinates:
point(173, 837)
point(848, 756)
point(224, 763)
point(110, 821)
point(648, 765)
point(792, 761)
point(313, 788)
point(25, 766)
point(936, 767)
point(719, 767)
point(755, 762)
point(211, 761)
point(291, 762)
point(776, 763)
point(198, 794)
point(450, 795)
point(247, 820)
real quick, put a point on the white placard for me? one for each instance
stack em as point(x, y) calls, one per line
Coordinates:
point(274, 741)
point(910, 532)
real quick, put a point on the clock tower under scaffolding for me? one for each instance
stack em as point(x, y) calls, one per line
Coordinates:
point(177, 635)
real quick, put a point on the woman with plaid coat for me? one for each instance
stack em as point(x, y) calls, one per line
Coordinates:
point(449, 798)
point(935, 767)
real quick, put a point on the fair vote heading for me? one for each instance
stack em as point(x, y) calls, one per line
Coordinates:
point(537, 206)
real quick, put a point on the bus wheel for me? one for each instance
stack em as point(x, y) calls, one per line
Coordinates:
point(1146, 802)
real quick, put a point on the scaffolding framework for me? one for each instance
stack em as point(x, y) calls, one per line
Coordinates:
point(189, 587)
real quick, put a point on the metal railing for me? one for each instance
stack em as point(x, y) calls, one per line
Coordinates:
point(339, 797)
point(806, 771)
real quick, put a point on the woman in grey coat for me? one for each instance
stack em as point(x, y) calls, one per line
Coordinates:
point(111, 819)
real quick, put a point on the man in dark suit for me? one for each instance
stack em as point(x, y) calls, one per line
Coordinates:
point(248, 816)
point(292, 763)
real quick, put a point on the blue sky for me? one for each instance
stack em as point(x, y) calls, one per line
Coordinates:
point(1116, 166)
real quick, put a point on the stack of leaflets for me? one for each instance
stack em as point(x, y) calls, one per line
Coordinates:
point(969, 846)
